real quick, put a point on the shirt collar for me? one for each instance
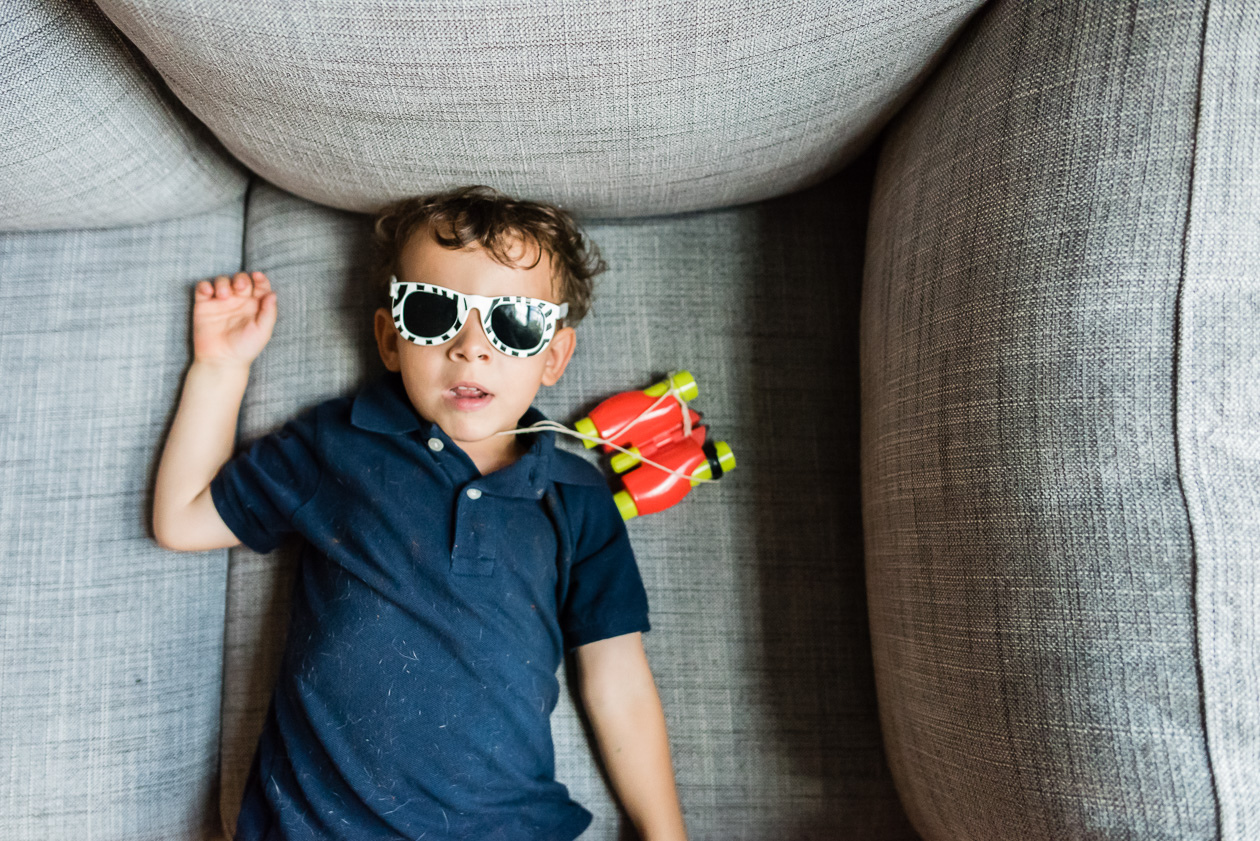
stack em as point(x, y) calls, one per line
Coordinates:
point(383, 406)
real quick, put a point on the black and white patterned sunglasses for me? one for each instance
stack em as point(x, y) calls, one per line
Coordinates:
point(428, 314)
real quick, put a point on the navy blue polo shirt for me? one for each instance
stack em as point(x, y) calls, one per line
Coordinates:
point(430, 615)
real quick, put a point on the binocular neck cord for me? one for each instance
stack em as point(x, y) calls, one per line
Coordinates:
point(673, 391)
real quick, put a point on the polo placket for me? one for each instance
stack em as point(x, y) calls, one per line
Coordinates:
point(474, 550)
point(478, 500)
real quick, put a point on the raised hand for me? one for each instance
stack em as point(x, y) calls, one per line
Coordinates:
point(232, 318)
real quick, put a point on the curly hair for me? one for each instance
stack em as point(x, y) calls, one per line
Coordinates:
point(484, 216)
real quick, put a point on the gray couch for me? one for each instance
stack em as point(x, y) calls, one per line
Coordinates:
point(971, 288)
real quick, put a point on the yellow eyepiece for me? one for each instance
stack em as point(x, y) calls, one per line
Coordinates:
point(586, 426)
point(625, 504)
point(682, 380)
point(621, 462)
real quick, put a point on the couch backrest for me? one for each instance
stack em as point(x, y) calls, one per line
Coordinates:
point(91, 136)
point(611, 109)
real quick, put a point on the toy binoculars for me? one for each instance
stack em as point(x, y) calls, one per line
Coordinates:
point(655, 426)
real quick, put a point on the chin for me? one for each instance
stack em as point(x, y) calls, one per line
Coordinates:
point(476, 426)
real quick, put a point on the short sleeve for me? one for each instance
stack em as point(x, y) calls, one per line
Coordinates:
point(260, 489)
point(605, 597)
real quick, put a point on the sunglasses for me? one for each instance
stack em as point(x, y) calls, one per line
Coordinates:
point(428, 314)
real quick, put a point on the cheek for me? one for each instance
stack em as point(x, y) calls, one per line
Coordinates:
point(419, 356)
point(419, 364)
point(530, 370)
point(520, 379)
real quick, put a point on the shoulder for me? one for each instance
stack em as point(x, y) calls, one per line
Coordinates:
point(319, 419)
point(303, 435)
point(571, 469)
point(587, 500)
point(332, 416)
point(334, 413)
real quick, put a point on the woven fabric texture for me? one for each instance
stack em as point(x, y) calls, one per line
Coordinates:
point(92, 138)
point(609, 108)
point(1059, 428)
point(759, 643)
point(110, 647)
point(1218, 406)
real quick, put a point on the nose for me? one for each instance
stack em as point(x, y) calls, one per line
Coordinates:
point(471, 342)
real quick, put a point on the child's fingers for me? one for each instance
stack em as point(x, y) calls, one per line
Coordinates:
point(243, 284)
point(267, 308)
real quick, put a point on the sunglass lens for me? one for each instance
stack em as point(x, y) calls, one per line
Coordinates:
point(519, 326)
point(428, 314)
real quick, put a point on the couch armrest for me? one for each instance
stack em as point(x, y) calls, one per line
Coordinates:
point(1059, 428)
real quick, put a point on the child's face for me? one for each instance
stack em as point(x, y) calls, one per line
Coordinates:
point(431, 373)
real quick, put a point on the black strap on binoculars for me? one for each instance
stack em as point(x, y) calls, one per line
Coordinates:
point(715, 466)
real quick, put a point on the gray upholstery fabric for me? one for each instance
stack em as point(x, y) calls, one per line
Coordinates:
point(1059, 428)
point(1218, 406)
point(760, 645)
point(92, 139)
point(610, 108)
point(110, 647)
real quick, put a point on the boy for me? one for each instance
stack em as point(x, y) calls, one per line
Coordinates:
point(446, 565)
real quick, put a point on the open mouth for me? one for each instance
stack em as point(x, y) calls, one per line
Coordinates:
point(469, 397)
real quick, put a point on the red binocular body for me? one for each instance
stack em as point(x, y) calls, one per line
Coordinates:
point(650, 424)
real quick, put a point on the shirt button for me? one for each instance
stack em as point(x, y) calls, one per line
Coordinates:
point(473, 493)
point(435, 444)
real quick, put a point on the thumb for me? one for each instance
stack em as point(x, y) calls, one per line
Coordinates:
point(266, 316)
point(265, 319)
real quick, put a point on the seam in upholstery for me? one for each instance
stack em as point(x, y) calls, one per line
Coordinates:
point(1176, 436)
point(216, 794)
point(249, 194)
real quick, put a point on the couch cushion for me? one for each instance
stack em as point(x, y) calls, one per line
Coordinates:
point(609, 108)
point(92, 138)
point(759, 644)
point(110, 647)
point(1060, 402)
point(1218, 406)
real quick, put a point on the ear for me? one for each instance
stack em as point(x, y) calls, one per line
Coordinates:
point(387, 339)
point(558, 354)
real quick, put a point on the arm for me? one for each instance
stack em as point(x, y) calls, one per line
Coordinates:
point(624, 708)
point(232, 321)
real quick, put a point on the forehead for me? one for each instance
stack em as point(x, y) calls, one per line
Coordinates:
point(473, 269)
